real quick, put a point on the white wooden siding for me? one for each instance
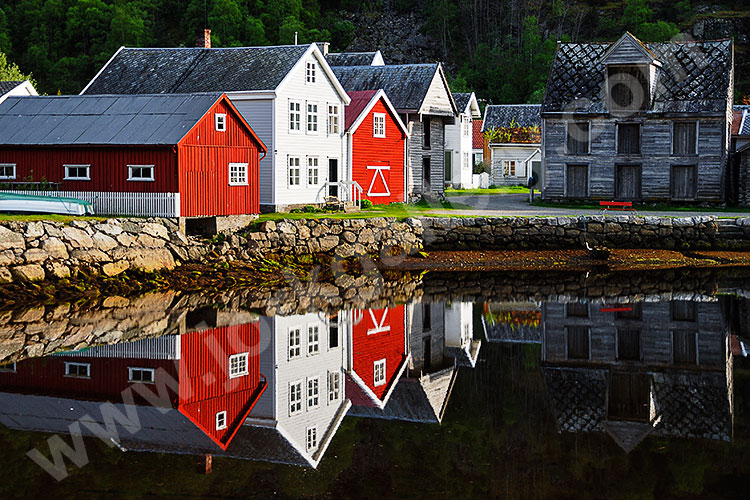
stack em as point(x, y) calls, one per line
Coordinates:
point(459, 143)
point(437, 100)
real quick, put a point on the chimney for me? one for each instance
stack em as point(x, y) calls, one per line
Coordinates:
point(324, 47)
point(203, 38)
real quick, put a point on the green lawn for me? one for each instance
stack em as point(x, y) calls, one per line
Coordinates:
point(495, 190)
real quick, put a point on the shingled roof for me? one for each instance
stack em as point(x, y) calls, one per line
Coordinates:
point(102, 119)
point(503, 115)
point(741, 122)
point(7, 86)
point(405, 84)
point(355, 58)
point(694, 77)
point(187, 70)
point(462, 99)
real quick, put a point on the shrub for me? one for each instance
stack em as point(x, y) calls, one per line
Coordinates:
point(309, 209)
point(366, 204)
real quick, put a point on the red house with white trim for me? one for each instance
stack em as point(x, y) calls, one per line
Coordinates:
point(376, 141)
point(169, 155)
point(378, 355)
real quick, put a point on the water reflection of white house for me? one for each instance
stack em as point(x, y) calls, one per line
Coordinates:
point(303, 358)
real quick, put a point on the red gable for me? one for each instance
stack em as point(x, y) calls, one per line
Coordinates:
point(360, 100)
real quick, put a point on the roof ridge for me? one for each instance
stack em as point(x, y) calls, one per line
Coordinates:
point(306, 46)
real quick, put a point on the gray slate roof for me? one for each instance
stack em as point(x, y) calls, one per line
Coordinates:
point(101, 119)
point(186, 70)
point(405, 84)
point(745, 109)
point(350, 58)
point(462, 99)
point(7, 86)
point(502, 115)
point(695, 77)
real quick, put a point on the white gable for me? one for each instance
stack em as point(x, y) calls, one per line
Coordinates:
point(438, 100)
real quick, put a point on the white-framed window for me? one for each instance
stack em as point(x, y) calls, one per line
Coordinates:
point(80, 370)
point(334, 386)
point(310, 69)
point(333, 119)
point(238, 174)
point(8, 368)
point(466, 161)
point(509, 168)
point(294, 176)
point(221, 420)
point(467, 126)
point(312, 118)
point(312, 437)
point(220, 120)
point(295, 397)
point(140, 173)
point(295, 342)
point(238, 365)
point(77, 172)
point(313, 340)
point(312, 171)
point(7, 171)
point(313, 392)
point(295, 116)
point(379, 372)
point(378, 124)
point(142, 375)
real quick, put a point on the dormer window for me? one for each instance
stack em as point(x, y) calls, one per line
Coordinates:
point(628, 88)
point(221, 122)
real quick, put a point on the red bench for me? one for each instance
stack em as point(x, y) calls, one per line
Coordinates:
point(616, 205)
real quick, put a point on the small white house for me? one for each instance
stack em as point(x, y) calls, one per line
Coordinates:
point(515, 143)
point(16, 88)
point(458, 141)
point(288, 94)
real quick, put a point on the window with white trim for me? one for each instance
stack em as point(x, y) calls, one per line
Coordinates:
point(238, 174)
point(80, 370)
point(294, 171)
point(333, 119)
point(140, 172)
point(378, 124)
point(313, 340)
point(294, 116)
point(310, 72)
point(466, 161)
point(509, 168)
point(8, 368)
point(312, 171)
point(7, 171)
point(77, 173)
point(220, 120)
point(295, 341)
point(142, 375)
point(312, 437)
point(334, 386)
point(221, 420)
point(379, 372)
point(467, 126)
point(313, 392)
point(312, 118)
point(295, 397)
point(238, 365)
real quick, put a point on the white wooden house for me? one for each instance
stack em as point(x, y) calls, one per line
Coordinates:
point(288, 94)
point(16, 88)
point(458, 141)
point(515, 142)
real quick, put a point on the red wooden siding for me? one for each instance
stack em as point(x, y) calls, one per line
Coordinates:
point(205, 386)
point(108, 171)
point(369, 348)
point(204, 158)
point(109, 377)
point(378, 151)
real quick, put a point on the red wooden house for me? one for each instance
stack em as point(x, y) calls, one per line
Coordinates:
point(217, 373)
point(170, 155)
point(378, 355)
point(376, 140)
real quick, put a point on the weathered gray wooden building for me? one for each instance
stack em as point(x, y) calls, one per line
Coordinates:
point(661, 368)
point(638, 121)
point(421, 95)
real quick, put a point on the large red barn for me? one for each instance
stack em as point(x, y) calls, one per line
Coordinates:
point(376, 139)
point(170, 155)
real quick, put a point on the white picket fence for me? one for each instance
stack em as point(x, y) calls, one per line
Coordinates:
point(138, 204)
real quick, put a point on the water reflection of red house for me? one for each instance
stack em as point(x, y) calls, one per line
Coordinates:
point(208, 381)
point(377, 356)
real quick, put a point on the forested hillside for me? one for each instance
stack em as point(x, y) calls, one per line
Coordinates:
point(500, 48)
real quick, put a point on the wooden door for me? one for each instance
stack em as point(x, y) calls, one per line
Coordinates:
point(426, 183)
point(684, 179)
point(628, 182)
point(333, 177)
point(448, 167)
point(577, 181)
point(629, 396)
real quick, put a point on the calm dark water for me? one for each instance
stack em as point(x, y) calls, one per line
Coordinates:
point(638, 395)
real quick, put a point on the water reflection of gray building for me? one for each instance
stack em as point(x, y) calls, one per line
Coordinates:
point(632, 370)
